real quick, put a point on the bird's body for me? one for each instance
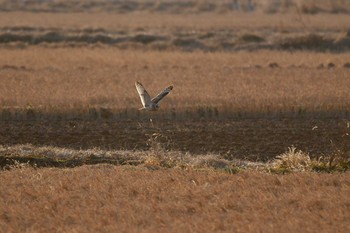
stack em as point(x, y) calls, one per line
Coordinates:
point(147, 102)
point(150, 107)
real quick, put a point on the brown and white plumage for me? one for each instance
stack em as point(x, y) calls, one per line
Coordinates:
point(147, 102)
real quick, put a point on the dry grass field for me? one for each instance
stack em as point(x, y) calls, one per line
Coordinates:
point(107, 198)
point(79, 79)
point(254, 137)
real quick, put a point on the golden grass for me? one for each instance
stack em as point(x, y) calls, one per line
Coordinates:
point(190, 23)
point(21, 156)
point(109, 198)
point(159, 31)
point(293, 160)
point(78, 79)
point(161, 189)
point(93, 80)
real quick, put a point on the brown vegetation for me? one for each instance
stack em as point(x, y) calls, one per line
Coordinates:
point(157, 157)
point(214, 40)
point(190, 32)
point(179, 7)
point(107, 198)
point(81, 67)
point(79, 82)
point(254, 94)
point(188, 23)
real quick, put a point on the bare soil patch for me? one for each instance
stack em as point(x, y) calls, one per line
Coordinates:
point(250, 139)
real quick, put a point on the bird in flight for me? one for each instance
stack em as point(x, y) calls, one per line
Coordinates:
point(147, 102)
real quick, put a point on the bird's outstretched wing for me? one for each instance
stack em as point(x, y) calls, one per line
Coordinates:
point(144, 96)
point(161, 95)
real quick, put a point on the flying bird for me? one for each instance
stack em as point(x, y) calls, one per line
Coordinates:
point(147, 102)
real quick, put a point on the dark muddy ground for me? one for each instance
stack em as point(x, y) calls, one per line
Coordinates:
point(253, 139)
